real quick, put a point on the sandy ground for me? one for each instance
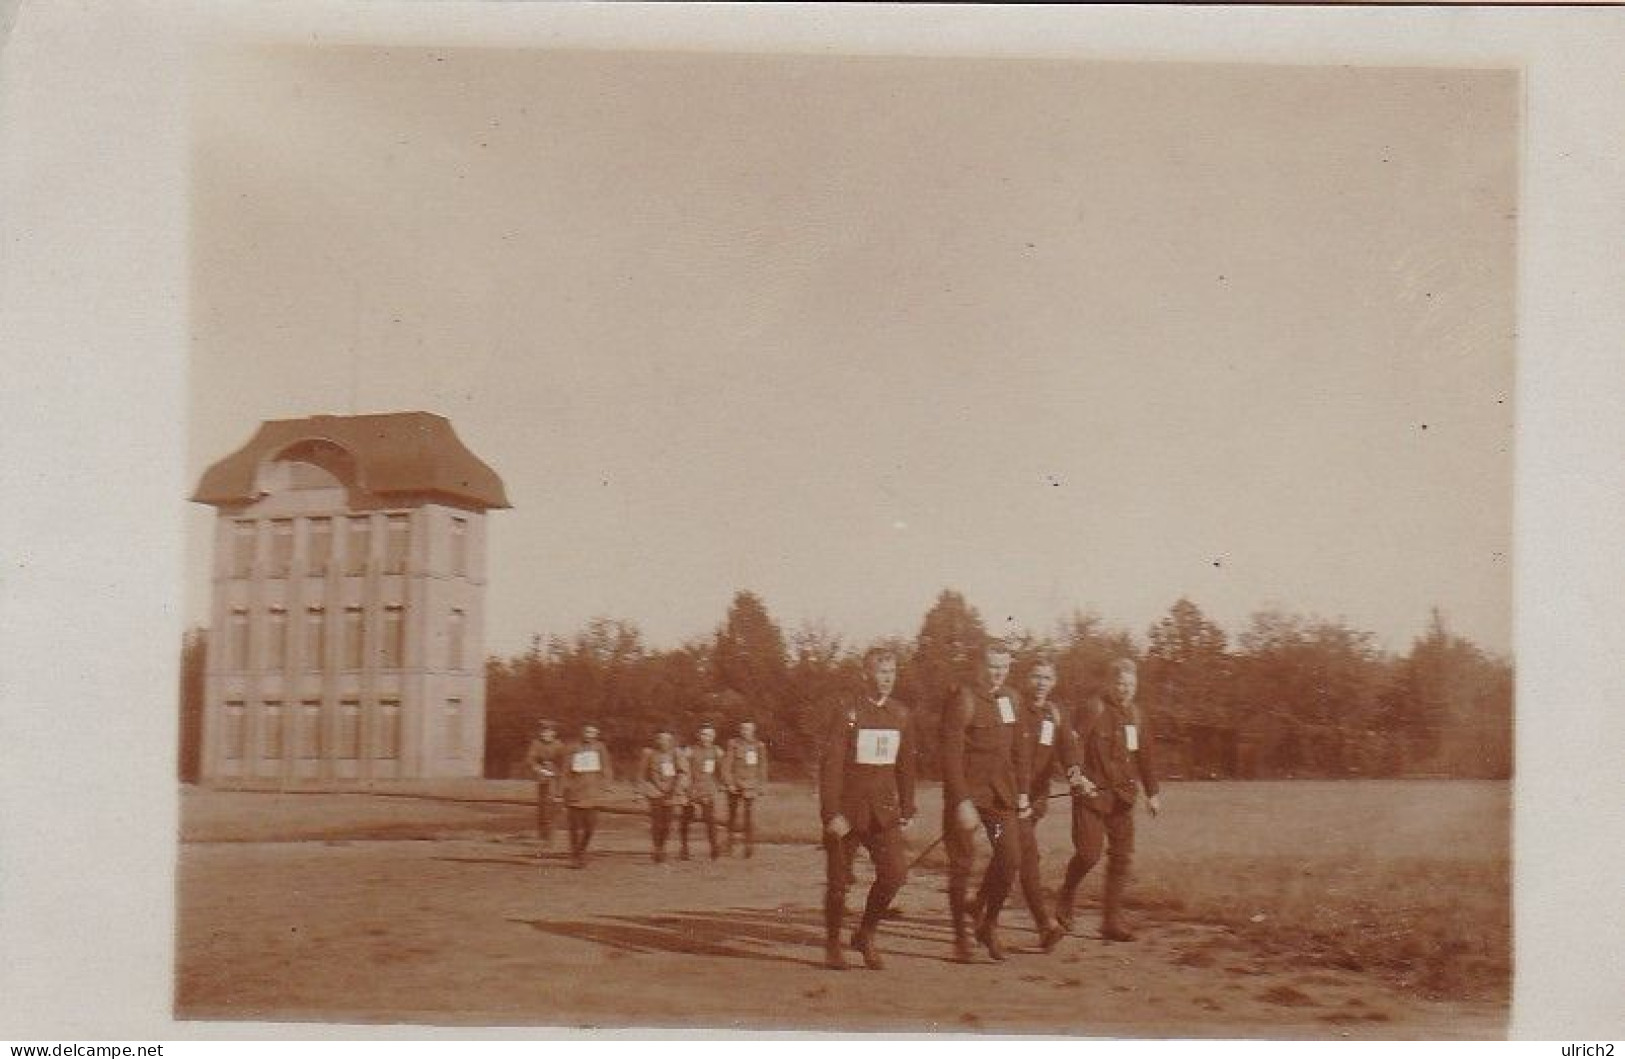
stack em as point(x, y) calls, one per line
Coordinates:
point(473, 927)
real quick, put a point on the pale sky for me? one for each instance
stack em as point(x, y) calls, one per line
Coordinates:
point(849, 331)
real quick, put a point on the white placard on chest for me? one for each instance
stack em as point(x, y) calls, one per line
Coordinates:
point(585, 761)
point(1007, 712)
point(750, 757)
point(878, 746)
point(1131, 736)
point(668, 768)
point(1046, 733)
point(708, 765)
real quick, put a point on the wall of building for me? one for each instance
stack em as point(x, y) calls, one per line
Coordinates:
point(346, 645)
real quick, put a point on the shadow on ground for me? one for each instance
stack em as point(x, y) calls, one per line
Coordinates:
point(733, 935)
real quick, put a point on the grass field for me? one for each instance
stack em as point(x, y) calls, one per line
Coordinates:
point(1411, 878)
point(1407, 879)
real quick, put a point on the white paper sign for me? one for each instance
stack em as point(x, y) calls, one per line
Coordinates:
point(1046, 733)
point(1131, 735)
point(750, 757)
point(668, 768)
point(878, 746)
point(585, 761)
point(1007, 712)
point(708, 765)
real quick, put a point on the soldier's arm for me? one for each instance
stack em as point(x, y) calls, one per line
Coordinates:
point(1041, 776)
point(1067, 756)
point(1023, 755)
point(955, 719)
point(905, 769)
point(1146, 757)
point(725, 771)
point(645, 780)
point(761, 761)
point(832, 769)
point(1079, 724)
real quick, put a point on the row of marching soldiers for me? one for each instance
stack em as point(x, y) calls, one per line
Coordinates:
point(682, 785)
point(1000, 751)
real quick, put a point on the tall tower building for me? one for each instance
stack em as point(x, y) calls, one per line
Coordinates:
point(347, 624)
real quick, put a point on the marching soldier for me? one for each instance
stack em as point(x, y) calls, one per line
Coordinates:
point(985, 782)
point(1050, 747)
point(545, 759)
point(663, 782)
point(744, 774)
point(866, 798)
point(704, 762)
point(1114, 749)
point(587, 774)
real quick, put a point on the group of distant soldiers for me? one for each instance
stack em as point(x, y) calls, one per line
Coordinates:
point(1001, 753)
point(680, 784)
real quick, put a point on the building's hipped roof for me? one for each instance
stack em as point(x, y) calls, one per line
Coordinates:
point(394, 453)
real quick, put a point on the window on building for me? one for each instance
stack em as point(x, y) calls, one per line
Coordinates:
point(389, 729)
point(276, 639)
point(315, 639)
point(392, 651)
point(353, 630)
point(319, 546)
point(233, 737)
point(281, 547)
point(238, 651)
point(459, 546)
point(397, 537)
point(348, 744)
point(453, 738)
point(454, 639)
point(272, 741)
point(242, 548)
point(310, 730)
point(358, 545)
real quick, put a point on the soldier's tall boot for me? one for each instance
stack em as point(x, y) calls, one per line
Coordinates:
point(1066, 897)
point(863, 940)
point(834, 913)
point(964, 952)
point(1112, 927)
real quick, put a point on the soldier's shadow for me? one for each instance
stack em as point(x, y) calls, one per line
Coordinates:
point(740, 934)
point(551, 861)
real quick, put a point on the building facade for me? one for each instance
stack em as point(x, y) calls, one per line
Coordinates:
point(347, 621)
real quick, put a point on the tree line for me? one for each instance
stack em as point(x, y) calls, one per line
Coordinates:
point(1291, 696)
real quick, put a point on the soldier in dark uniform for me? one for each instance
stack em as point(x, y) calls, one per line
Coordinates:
point(866, 798)
point(704, 763)
point(744, 774)
point(587, 774)
point(1052, 751)
point(663, 782)
point(986, 776)
point(545, 759)
point(1115, 751)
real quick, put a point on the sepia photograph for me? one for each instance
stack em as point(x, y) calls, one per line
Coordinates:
point(677, 526)
point(760, 525)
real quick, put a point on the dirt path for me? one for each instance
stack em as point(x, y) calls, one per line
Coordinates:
point(478, 930)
